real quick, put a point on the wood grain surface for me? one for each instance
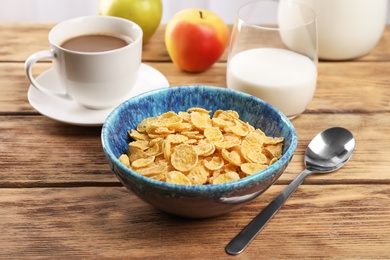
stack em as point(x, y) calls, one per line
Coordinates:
point(335, 221)
point(60, 200)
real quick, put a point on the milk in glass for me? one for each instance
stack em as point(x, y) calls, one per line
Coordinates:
point(283, 78)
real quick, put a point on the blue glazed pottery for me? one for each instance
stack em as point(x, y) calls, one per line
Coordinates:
point(199, 201)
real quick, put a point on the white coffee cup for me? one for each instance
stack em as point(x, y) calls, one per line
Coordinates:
point(348, 29)
point(95, 80)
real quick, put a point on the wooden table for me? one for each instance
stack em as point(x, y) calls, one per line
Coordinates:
point(59, 198)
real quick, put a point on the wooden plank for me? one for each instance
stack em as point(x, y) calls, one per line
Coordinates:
point(14, 86)
point(352, 87)
point(70, 155)
point(319, 221)
point(20, 40)
point(73, 156)
point(343, 87)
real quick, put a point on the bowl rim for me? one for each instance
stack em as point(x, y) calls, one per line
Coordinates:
point(228, 186)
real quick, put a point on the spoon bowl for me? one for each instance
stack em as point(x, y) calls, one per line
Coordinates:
point(327, 152)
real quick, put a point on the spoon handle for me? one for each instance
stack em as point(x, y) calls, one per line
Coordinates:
point(242, 240)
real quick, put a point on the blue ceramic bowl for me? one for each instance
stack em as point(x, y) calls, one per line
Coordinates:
point(204, 200)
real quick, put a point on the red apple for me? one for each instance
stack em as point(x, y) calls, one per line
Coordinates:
point(196, 39)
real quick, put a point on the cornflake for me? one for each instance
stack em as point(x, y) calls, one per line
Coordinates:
point(194, 148)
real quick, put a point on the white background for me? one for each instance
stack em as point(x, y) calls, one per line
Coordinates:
point(59, 10)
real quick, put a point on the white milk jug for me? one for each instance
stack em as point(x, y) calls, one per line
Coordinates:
point(348, 29)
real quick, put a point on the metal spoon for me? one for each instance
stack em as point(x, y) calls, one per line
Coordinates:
point(327, 152)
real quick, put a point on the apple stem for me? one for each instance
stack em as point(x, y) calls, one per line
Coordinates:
point(201, 14)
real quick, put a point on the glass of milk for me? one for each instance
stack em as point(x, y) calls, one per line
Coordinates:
point(273, 54)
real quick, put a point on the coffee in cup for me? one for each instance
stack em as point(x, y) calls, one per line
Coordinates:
point(96, 58)
point(96, 43)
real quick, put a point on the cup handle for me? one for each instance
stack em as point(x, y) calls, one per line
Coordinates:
point(28, 69)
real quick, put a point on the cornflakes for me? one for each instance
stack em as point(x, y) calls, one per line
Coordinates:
point(226, 177)
point(199, 174)
point(143, 162)
point(184, 157)
point(251, 168)
point(192, 148)
point(214, 163)
point(177, 177)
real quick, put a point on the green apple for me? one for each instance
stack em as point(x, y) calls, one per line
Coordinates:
point(146, 13)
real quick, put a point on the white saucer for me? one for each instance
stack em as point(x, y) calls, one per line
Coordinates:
point(71, 112)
